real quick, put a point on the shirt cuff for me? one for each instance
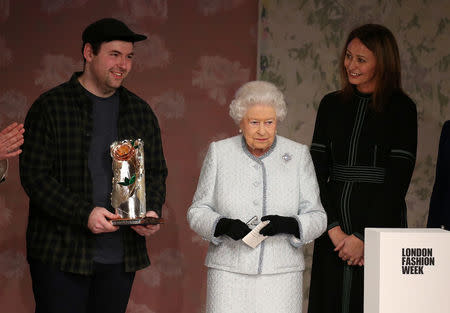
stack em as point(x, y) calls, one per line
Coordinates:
point(216, 240)
point(332, 225)
point(359, 236)
point(297, 242)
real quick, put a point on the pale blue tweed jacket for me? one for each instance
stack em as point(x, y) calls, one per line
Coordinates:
point(235, 184)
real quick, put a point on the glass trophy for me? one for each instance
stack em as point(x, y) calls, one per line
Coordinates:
point(128, 184)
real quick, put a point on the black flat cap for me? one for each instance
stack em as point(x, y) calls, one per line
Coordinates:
point(109, 29)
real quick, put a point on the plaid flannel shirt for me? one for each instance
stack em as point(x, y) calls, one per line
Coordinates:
point(54, 173)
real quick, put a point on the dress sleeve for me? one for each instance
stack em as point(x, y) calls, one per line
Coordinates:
point(311, 218)
point(440, 189)
point(321, 156)
point(201, 215)
point(388, 208)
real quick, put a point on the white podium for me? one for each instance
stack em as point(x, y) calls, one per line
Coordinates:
point(406, 270)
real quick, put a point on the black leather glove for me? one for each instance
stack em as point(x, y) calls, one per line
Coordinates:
point(280, 225)
point(236, 229)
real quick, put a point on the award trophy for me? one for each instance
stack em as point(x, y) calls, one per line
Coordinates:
point(128, 184)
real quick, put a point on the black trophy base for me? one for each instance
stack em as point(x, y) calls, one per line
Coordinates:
point(137, 221)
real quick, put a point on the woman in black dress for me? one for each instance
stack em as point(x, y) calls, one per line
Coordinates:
point(364, 150)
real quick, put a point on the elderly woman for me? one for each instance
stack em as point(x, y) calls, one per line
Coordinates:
point(256, 174)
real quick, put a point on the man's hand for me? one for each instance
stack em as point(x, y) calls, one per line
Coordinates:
point(147, 230)
point(11, 138)
point(99, 221)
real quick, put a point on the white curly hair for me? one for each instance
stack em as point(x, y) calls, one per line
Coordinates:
point(257, 92)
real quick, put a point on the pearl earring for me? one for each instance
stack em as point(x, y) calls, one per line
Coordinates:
point(240, 131)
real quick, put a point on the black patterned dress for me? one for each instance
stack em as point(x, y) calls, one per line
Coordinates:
point(364, 162)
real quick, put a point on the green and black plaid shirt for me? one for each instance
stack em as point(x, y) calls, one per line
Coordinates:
point(54, 173)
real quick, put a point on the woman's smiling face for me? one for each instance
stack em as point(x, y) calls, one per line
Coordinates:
point(360, 65)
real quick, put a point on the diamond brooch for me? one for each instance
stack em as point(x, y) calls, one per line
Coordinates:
point(286, 157)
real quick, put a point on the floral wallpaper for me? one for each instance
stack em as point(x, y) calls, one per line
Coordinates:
point(298, 49)
point(197, 54)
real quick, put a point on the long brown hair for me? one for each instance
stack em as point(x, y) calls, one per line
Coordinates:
point(381, 42)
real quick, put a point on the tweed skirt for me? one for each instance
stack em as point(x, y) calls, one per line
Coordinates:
point(240, 293)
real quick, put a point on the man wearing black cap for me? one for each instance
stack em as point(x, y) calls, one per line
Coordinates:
point(79, 261)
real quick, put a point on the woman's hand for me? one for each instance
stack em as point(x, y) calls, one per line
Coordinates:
point(336, 235)
point(280, 225)
point(235, 229)
point(351, 249)
point(359, 262)
point(11, 138)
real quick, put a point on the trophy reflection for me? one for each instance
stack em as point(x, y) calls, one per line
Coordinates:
point(128, 184)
